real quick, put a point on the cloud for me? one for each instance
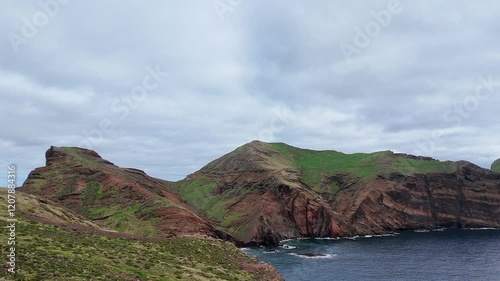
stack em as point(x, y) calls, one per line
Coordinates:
point(271, 70)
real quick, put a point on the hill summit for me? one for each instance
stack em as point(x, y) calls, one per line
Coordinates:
point(265, 192)
point(496, 166)
point(123, 199)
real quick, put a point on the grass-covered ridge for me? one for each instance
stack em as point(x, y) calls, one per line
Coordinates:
point(315, 165)
point(82, 159)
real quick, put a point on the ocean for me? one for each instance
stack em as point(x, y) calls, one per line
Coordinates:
point(410, 255)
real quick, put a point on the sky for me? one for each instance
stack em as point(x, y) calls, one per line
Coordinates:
point(168, 86)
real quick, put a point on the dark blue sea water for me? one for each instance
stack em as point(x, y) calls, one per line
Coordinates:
point(437, 255)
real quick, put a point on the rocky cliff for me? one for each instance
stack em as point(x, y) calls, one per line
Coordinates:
point(262, 193)
point(466, 198)
point(126, 200)
point(258, 197)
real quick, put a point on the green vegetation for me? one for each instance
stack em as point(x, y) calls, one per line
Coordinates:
point(316, 169)
point(409, 166)
point(496, 166)
point(50, 253)
point(199, 193)
point(30, 205)
point(124, 219)
point(46, 252)
point(155, 204)
point(91, 193)
point(316, 165)
point(65, 189)
point(82, 159)
point(38, 183)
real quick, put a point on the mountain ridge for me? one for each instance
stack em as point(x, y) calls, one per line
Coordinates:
point(123, 199)
point(273, 191)
point(261, 193)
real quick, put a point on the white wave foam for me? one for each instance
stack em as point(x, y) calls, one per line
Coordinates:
point(483, 228)
point(272, 252)
point(339, 238)
point(315, 256)
point(387, 234)
point(288, 247)
point(327, 238)
point(439, 229)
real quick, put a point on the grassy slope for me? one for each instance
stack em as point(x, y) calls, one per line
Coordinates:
point(199, 193)
point(48, 252)
point(29, 205)
point(51, 253)
point(315, 165)
point(496, 166)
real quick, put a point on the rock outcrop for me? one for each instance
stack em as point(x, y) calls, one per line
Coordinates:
point(126, 200)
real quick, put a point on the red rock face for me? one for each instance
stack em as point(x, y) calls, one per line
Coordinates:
point(68, 172)
point(284, 214)
point(277, 204)
point(467, 198)
point(388, 203)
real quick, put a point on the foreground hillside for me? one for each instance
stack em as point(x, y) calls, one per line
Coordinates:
point(262, 193)
point(54, 243)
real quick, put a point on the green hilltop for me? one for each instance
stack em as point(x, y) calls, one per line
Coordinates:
point(313, 165)
point(496, 166)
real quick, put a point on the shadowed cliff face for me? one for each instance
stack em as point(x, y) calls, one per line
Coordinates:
point(126, 200)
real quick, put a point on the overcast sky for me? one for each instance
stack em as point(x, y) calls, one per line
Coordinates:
point(167, 86)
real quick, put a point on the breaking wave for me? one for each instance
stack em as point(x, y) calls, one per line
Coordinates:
point(313, 256)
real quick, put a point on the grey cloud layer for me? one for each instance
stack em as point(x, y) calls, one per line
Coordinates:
point(271, 70)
